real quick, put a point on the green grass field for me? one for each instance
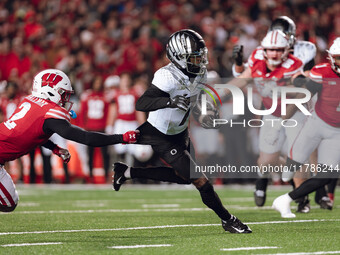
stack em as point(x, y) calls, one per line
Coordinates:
point(87, 219)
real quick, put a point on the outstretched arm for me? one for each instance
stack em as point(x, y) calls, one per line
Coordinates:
point(79, 135)
point(155, 98)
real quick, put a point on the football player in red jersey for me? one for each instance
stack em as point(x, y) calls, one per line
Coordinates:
point(9, 101)
point(94, 113)
point(271, 66)
point(322, 131)
point(40, 115)
point(123, 116)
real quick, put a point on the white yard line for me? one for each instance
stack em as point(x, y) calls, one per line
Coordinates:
point(27, 244)
point(160, 205)
point(250, 248)
point(140, 246)
point(158, 227)
point(237, 207)
point(306, 253)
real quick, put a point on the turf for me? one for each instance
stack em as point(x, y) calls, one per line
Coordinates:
point(99, 218)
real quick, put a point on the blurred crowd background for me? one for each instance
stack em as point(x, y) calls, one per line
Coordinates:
point(99, 41)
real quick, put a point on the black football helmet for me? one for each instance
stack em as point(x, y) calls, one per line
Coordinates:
point(186, 49)
point(287, 26)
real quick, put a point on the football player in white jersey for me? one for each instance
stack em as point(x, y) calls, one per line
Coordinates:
point(168, 100)
point(306, 52)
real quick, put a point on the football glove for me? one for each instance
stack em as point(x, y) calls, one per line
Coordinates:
point(237, 55)
point(131, 136)
point(63, 153)
point(207, 121)
point(180, 102)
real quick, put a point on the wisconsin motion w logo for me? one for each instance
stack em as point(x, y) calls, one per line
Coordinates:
point(50, 79)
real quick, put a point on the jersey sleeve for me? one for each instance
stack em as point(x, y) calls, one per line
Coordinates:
point(164, 80)
point(58, 113)
point(256, 55)
point(316, 74)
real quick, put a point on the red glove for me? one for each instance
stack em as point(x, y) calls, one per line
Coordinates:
point(63, 153)
point(131, 136)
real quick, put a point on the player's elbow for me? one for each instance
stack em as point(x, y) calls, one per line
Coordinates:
point(141, 104)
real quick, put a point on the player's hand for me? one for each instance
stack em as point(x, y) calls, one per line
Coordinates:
point(207, 121)
point(180, 102)
point(238, 54)
point(63, 153)
point(131, 136)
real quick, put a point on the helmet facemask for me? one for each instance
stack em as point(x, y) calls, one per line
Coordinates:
point(197, 61)
point(275, 40)
point(334, 55)
point(65, 97)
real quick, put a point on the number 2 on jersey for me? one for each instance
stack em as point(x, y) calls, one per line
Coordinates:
point(25, 107)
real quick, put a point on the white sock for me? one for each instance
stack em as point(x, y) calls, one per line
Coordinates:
point(287, 197)
point(127, 173)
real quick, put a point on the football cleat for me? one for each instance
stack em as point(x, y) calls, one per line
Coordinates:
point(303, 206)
point(260, 197)
point(282, 205)
point(235, 226)
point(118, 177)
point(326, 203)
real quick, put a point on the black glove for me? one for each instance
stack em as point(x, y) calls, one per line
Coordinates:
point(180, 102)
point(238, 54)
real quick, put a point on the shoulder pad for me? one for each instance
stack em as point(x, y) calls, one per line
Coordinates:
point(305, 51)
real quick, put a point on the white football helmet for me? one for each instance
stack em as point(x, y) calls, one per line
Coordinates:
point(53, 85)
point(287, 26)
point(334, 52)
point(187, 51)
point(276, 39)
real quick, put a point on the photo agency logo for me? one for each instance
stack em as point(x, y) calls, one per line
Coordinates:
point(279, 95)
point(204, 97)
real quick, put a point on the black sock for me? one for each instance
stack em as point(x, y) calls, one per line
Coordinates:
point(165, 174)
point(211, 199)
point(308, 186)
point(331, 186)
point(319, 193)
point(300, 199)
point(261, 184)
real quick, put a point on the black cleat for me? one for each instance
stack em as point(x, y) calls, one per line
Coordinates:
point(303, 206)
point(235, 226)
point(260, 197)
point(326, 203)
point(118, 177)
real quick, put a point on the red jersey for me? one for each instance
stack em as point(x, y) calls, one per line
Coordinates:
point(265, 80)
point(8, 106)
point(126, 105)
point(24, 129)
point(94, 110)
point(328, 104)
